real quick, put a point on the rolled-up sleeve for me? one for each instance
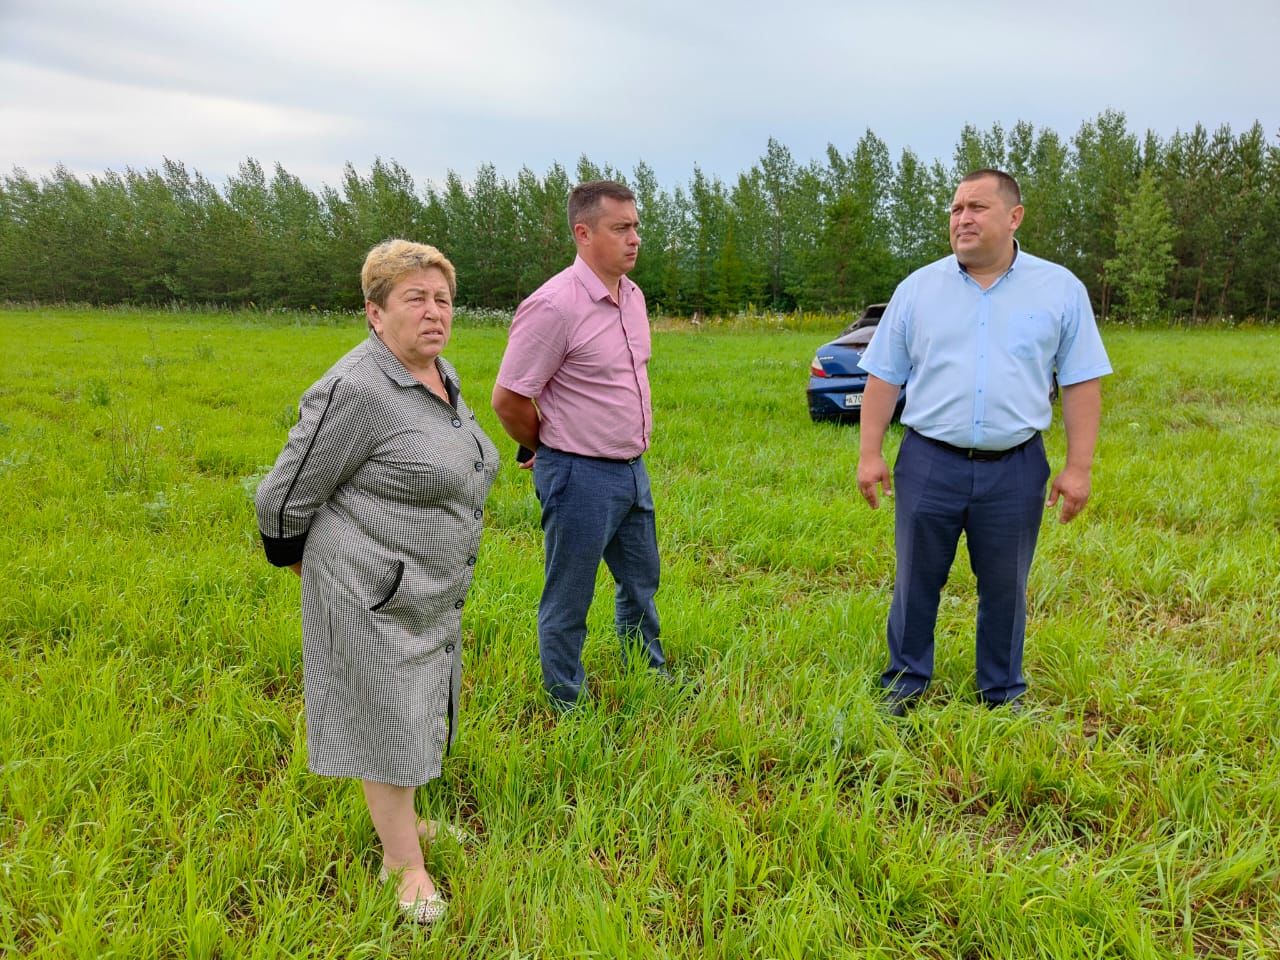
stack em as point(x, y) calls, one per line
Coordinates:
point(329, 443)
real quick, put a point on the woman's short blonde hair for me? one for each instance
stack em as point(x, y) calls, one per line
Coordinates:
point(392, 260)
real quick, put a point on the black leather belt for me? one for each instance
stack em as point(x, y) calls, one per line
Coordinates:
point(973, 453)
point(569, 453)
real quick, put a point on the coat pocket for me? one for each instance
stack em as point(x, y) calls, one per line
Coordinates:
point(390, 587)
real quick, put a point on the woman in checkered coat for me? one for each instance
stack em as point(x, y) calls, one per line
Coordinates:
point(377, 503)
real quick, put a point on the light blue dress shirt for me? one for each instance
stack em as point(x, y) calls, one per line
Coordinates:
point(978, 364)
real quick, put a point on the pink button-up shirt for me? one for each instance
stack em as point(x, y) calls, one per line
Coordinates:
point(584, 358)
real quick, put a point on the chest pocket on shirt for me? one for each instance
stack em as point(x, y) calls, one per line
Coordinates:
point(1033, 336)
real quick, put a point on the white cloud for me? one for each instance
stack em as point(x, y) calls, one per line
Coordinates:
point(454, 83)
point(92, 124)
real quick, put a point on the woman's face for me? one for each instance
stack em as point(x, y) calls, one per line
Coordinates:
point(416, 322)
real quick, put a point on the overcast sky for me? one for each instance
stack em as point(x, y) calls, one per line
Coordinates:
point(456, 83)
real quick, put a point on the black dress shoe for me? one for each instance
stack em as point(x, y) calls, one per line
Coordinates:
point(901, 706)
point(679, 682)
point(1014, 707)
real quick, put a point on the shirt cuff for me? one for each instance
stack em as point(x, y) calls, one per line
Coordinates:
point(881, 373)
point(284, 551)
point(527, 390)
point(1071, 378)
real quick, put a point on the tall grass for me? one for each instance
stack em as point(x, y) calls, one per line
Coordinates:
point(154, 797)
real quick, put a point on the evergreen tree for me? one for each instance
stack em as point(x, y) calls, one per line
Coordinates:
point(752, 235)
point(295, 269)
point(542, 229)
point(1241, 178)
point(706, 228)
point(1048, 229)
point(150, 263)
point(1106, 166)
point(979, 151)
point(851, 265)
point(778, 175)
point(1259, 274)
point(919, 200)
point(831, 233)
point(806, 221)
point(1144, 251)
point(248, 197)
point(658, 251)
point(24, 255)
point(495, 248)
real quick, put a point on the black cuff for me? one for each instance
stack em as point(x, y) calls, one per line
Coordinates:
point(284, 551)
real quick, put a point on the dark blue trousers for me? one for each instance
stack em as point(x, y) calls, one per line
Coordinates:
point(998, 505)
point(593, 510)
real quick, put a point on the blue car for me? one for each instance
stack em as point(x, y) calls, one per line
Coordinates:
point(836, 382)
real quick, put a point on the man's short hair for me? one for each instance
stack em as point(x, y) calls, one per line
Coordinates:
point(392, 260)
point(1004, 183)
point(584, 201)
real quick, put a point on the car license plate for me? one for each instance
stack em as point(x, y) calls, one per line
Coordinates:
point(853, 399)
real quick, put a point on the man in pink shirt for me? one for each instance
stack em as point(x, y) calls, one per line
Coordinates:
point(574, 389)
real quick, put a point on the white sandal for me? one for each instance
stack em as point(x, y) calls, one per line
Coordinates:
point(423, 911)
point(431, 830)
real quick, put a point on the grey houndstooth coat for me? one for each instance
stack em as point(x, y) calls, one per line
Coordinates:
point(380, 492)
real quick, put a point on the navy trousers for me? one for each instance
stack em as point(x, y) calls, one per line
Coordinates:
point(998, 505)
point(592, 510)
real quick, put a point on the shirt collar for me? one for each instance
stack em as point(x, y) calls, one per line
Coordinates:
point(1012, 263)
point(594, 286)
point(390, 364)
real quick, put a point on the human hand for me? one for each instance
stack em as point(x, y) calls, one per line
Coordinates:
point(296, 567)
point(1072, 486)
point(872, 470)
point(528, 464)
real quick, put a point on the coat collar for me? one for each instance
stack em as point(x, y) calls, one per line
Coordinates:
point(399, 374)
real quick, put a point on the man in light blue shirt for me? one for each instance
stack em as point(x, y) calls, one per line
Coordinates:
point(979, 336)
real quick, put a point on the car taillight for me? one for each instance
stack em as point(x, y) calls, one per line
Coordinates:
point(815, 368)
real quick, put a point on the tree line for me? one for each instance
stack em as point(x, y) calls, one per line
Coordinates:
point(1185, 227)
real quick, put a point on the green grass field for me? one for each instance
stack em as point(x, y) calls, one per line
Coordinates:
point(154, 797)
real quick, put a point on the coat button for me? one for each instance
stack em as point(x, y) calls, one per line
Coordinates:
point(479, 465)
point(457, 422)
point(471, 561)
point(479, 513)
point(457, 604)
point(448, 648)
